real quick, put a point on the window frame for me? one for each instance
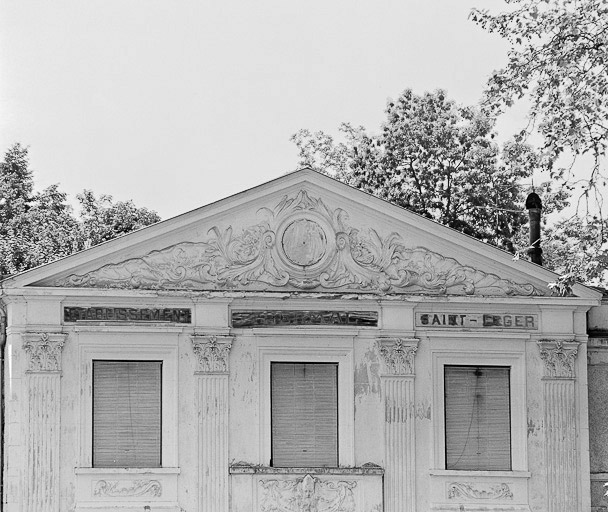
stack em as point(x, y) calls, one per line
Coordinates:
point(131, 347)
point(473, 351)
point(160, 447)
point(302, 349)
point(485, 367)
point(336, 365)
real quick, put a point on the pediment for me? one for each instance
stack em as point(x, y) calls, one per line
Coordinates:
point(302, 232)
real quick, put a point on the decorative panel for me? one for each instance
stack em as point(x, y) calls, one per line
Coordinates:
point(301, 244)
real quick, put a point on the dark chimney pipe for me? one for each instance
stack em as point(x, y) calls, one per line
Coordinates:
point(534, 206)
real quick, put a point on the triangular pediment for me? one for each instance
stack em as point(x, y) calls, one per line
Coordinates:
point(301, 232)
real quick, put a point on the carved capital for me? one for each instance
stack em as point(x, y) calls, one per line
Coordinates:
point(398, 354)
point(212, 352)
point(43, 350)
point(558, 357)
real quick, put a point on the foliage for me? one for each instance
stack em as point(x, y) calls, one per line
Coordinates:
point(39, 227)
point(102, 219)
point(437, 159)
point(558, 61)
point(578, 246)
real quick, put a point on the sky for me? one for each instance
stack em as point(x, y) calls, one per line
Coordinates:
point(176, 104)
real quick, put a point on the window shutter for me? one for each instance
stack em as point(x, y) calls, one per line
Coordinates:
point(304, 414)
point(127, 413)
point(477, 418)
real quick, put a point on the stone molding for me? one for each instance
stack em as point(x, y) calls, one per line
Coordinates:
point(212, 352)
point(303, 244)
point(398, 355)
point(245, 468)
point(44, 351)
point(558, 357)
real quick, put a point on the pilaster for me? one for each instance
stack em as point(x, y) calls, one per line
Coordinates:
point(560, 423)
point(398, 356)
point(212, 353)
point(43, 378)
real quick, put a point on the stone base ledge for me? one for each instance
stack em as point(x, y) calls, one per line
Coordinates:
point(247, 469)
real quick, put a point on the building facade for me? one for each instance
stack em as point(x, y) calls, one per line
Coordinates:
point(298, 347)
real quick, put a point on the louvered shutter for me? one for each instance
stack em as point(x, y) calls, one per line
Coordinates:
point(127, 414)
point(477, 418)
point(304, 414)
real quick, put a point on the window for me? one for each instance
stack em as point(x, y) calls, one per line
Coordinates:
point(127, 409)
point(304, 414)
point(477, 418)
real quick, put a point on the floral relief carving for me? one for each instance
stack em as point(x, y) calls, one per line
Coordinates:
point(558, 358)
point(127, 488)
point(212, 352)
point(307, 494)
point(43, 350)
point(398, 354)
point(473, 491)
point(302, 244)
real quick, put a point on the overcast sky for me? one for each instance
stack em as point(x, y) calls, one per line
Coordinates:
point(176, 104)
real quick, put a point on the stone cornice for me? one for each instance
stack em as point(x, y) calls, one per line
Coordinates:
point(212, 352)
point(558, 357)
point(43, 350)
point(398, 354)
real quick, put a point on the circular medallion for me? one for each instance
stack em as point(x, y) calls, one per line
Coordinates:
point(304, 242)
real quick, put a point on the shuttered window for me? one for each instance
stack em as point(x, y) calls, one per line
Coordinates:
point(127, 414)
point(477, 418)
point(304, 408)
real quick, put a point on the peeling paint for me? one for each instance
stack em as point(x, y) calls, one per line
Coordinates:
point(367, 375)
point(533, 428)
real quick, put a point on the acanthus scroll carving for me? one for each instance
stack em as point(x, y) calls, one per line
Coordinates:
point(212, 352)
point(307, 494)
point(468, 490)
point(302, 244)
point(398, 354)
point(43, 350)
point(127, 488)
point(558, 357)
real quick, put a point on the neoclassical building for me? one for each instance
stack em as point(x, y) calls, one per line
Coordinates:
point(301, 346)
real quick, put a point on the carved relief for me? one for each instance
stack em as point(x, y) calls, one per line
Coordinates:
point(127, 488)
point(43, 350)
point(211, 352)
point(558, 358)
point(303, 244)
point(307, 494)
point(398, 354)
point(473, 491)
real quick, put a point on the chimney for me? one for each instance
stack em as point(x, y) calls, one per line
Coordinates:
point(534, 206)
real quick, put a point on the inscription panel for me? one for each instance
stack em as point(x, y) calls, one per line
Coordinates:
point(110, 314)
point(478, 320)
point(277, 318)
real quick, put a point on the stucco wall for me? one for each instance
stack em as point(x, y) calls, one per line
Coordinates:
point(376, 449)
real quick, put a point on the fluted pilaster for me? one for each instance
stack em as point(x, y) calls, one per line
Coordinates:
point(212, 370)
point(44, 420)
point(560, 424)
point(399, 426)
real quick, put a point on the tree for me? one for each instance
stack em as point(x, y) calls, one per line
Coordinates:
point(558, 61)
point(39, 227)
point(103, 219)
point(437, 159)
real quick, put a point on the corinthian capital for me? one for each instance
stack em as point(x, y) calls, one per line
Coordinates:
point(43, 350)
point(558, 357)
point(398, 354)
point(212, 352)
